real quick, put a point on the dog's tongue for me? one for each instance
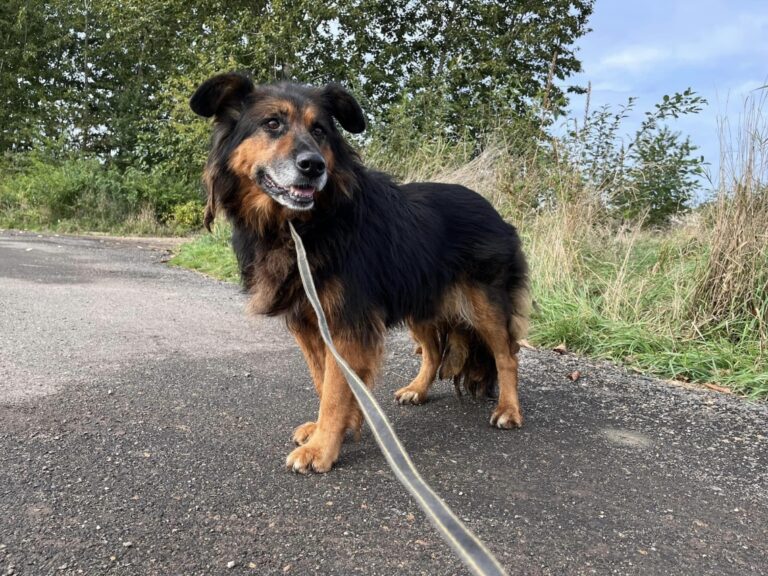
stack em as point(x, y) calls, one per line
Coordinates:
point(303, 192)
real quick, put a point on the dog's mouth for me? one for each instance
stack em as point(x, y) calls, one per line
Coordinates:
point(300, 196)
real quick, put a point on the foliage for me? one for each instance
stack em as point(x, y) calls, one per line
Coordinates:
point(461, 65)
point(114, 75)
point(188, 216)
point(31, 37)
point(650, 178)
point(81, 193)
point(110, 80)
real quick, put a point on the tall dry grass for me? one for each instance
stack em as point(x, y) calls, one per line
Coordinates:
point(733, 292)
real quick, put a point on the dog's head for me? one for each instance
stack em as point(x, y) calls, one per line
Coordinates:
point(275, 147)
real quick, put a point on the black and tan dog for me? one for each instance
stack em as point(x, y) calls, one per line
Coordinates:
point(434, 256)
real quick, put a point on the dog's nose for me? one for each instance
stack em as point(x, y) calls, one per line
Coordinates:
point(310, 164)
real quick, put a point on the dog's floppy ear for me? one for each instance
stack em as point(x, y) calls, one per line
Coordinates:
point(344, 108)
point(220, 94)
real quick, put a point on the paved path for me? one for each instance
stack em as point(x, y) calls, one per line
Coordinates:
point(144, 421)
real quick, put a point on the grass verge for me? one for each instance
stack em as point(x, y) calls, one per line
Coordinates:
point(210, 254)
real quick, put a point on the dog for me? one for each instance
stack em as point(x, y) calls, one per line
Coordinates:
point(436, 257)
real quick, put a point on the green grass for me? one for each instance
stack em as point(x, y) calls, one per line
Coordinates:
point(627, 303)
point(632, 300)
point(709, 358)
point(209, 254)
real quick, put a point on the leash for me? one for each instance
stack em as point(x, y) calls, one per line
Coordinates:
point(470, 549)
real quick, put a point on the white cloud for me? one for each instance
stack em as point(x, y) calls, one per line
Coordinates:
point(747, 34)
point(632, 58)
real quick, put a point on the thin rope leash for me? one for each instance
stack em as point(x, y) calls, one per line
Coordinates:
point(470, 549)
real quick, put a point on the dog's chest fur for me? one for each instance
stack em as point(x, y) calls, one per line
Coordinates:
point(269, 272)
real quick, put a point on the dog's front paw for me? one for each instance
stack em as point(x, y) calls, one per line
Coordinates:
point(507, 417)
point(410, 395)
point(302, 433)
point(312, 457)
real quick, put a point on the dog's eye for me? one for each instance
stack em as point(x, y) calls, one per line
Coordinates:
point(272, 124)
point(318, 132)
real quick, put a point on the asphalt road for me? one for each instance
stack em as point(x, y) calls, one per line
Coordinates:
point(144, 423)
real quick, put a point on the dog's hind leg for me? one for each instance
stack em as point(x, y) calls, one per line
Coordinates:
point(338, 407)
point(492, 324)
point(426, 335)
point(313, 347)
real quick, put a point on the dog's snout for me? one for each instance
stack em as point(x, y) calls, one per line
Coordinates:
point(310, 164)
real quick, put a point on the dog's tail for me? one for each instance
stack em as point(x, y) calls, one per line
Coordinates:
point(468, 361)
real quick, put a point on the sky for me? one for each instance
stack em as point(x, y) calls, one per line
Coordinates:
point(649, 48)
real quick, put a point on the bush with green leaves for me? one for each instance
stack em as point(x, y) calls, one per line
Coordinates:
point(188, 216)
point(650, 178)
point(37, 191)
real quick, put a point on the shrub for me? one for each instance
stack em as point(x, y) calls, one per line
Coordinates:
point(651, 177)
point(188, 216)
point(86, 194)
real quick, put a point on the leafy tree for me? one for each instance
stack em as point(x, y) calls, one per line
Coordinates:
point(663, 178)
point(462, 64)
point(445, 67)
point(32, 89)
point(111, 77)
